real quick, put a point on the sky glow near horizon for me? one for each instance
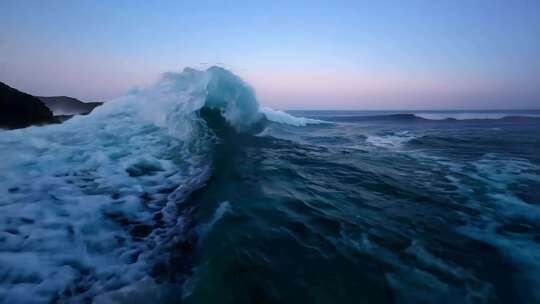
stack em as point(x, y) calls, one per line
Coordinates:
point(297, 55)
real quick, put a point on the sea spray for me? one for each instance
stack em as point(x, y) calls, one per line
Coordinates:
point(91, 203)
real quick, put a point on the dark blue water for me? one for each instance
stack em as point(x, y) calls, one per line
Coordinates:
point(373, 208)
point(188, 192)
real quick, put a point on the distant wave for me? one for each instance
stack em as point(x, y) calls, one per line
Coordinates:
point(472, 115)
point(286, 118)
point(439, 118)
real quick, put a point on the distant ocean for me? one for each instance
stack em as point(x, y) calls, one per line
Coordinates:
point(188, 191)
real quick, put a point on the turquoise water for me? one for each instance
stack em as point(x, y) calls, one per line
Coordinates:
point(379, 210)
point(188, 191)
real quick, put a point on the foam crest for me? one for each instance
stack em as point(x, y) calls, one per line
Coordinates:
point(87, 206)
point(288, 119)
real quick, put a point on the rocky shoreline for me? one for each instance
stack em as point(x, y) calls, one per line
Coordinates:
point(21, 110)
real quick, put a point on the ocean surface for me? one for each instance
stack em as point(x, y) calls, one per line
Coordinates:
point(188, 191)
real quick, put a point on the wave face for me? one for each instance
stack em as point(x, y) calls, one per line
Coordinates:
point(89, 206)
point(188, 191)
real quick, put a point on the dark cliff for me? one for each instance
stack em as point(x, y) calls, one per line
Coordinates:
point(19, 110)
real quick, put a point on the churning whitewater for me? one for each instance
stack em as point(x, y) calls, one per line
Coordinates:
point(88, 206)
point(188, 191)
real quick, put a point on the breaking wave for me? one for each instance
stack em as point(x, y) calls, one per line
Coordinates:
point(165, 195)
point(286, 118)
point(91, 206)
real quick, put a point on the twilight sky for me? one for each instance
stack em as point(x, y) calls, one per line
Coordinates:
point(429, 54)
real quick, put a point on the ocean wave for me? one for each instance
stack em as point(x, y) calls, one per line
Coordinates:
point(90, 206)
point(474, 116)
point(156, 194)
point(438, 118)
point(286, 118)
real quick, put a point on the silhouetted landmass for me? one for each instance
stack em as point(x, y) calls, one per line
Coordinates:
point(19, 110)
point(63, 105)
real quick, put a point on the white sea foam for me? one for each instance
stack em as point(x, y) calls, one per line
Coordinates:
point(70, 194)
point(499, 209)
point(286, 118)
